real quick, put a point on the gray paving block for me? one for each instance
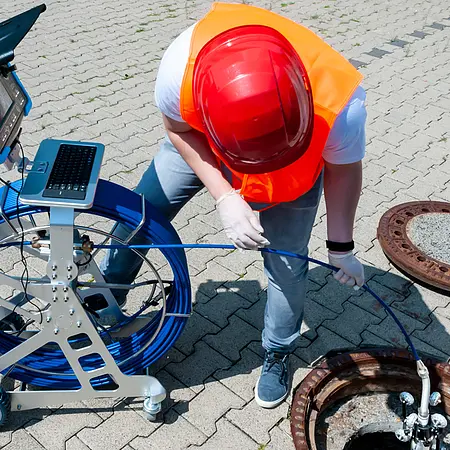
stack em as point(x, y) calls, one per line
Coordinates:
point(228, 437)
point(197, 327)
point(257, 421)
point(367, 302)
point(251, 285)
point(105, 436)
point(332, 296)
point(241, 377)
point(325, 342)
point(21, 440)
point(210, 405)
point(254, 315)
point(299, 369)
point(210, 279)
point(351, 323)
point(221, 307)
point(173, 355)
point(75, 444)
point(196, 368)
point(279, 440)
point(388, 330)
point(238, 262)
point(61, 425)
point(233, 338)
point(176, 434)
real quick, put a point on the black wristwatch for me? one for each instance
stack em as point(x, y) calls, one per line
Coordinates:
point(340, 246)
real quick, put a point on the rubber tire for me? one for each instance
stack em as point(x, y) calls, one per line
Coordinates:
point(5, 407)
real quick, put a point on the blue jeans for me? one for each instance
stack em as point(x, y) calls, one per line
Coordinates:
point(169, 183)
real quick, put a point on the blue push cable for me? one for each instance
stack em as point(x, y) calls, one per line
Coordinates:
point(278, 252)
point(262, 250)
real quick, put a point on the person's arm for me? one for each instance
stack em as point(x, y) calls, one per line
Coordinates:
point(194, 148)
point(240, 223)
point(342, 186)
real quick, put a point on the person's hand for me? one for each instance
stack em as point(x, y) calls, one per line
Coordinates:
point(351, 271)
point(240, 223)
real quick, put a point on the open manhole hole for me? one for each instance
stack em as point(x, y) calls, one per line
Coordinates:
point(415, 237)
point(351, 401)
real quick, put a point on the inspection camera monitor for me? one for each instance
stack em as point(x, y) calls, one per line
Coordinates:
point(14, 100)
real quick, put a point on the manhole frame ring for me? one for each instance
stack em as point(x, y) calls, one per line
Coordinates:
point(403, 253)
point(304, 399)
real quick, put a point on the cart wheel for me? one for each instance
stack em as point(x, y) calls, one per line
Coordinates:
point(12, 323)
point(5, 407)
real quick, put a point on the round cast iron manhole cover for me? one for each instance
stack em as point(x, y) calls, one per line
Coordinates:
point(415, 237)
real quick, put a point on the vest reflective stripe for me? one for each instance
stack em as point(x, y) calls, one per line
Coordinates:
point(333, 80)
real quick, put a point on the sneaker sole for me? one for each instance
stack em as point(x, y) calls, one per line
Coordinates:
point(268, 405)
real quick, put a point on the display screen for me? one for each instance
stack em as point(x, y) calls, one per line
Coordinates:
point(5, 103)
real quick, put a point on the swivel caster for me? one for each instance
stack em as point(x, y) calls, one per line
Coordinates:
point(5, 407)
point(151, 410)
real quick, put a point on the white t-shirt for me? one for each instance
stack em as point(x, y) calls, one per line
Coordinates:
point(345, 144)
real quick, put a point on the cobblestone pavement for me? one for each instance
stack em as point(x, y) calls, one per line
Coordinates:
point(90, 67)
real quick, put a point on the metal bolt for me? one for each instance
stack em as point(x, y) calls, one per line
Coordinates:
point(54, 267)
point(435, 398)
point(55, 298)
point(54, 276)
point(65, 288)
point(79, 323)
point(54, 289)
point(69, 276)
point(66, 299)
point(56, 330)
point(48, 319)
point(69, 268)
point(71, 311)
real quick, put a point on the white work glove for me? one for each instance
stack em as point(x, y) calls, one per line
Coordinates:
point(351, 271)
point(240, 223)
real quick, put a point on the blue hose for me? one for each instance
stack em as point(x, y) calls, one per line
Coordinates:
point(282, 253)
point(48, 366)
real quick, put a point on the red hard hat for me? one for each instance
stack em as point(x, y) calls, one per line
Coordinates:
point(254, 97)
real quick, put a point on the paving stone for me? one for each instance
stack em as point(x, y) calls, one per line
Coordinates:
point(228, 437)
point(210, 279)
point(299, 370)
point(173, 355)
point(279, 440)
point(255, 314)
point(326, 341)
point(241, 377)
point(21, 440)
point(351, 323)
point(233, 338)
point(367, 302)
point(196, 327)
point(61, 425)
point(387, 329)
point(105, 436)
point(238, 261)
point(75, 444)
point(210, 405)
point(221, 307)
point(257, 421)
point(196, 368)
point(251, 285)
point(333, 295)
point(176, 434)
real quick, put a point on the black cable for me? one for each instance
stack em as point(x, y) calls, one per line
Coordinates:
point(86, 262)
point(25, 272)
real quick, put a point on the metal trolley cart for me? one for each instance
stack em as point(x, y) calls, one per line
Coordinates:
point(62, 329)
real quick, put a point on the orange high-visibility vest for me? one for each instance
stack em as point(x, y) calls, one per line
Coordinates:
point(333, 80)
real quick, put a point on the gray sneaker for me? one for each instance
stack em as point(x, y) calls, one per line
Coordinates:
point(273, 384)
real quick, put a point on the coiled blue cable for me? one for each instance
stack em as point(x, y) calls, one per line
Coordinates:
point(32, 369)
